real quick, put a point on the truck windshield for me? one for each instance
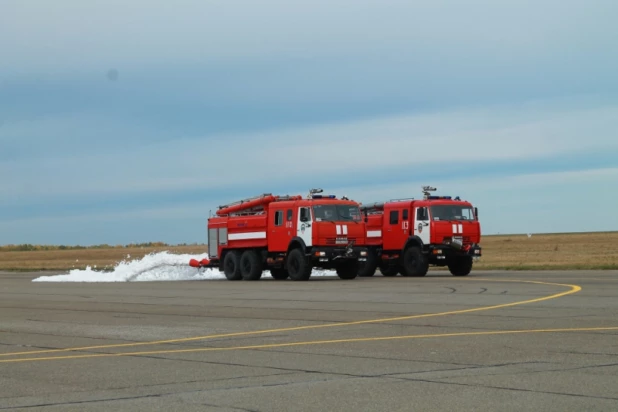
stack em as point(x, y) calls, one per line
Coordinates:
point(332, 213)
point(451, 212)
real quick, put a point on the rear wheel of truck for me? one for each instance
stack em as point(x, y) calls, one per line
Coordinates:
point(368, 267)
point(231, 265)
point(389, 270)
point(414, 262)
point(460, 266)
point(348, 270)
point(297, 265)
point(279, 273)
point(250, 265)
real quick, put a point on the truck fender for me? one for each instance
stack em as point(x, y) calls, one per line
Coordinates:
point(413, 241)
point(297, 242)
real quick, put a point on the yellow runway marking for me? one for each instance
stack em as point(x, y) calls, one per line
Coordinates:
point(573, 289)
point(317, 342)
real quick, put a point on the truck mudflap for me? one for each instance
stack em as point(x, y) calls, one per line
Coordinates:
point(333, 255)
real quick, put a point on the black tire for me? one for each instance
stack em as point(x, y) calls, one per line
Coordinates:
point(389, 270)
point(279, 273)
point(348, 270)
point(368, 267)
point(250, 265)
point(460, 266)
point(298, 266)
point(231, 265)
point(414, 262)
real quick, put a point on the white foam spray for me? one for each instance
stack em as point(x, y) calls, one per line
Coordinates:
point(161, 266)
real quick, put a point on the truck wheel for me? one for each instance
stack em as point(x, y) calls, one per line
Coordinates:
point(368, 267)
point(231, 265)
point(460, 266)
point(250, 265)
point(279, 273)
point(298, 266)
point(388, 270)
point(414, 262)
point(348, 270)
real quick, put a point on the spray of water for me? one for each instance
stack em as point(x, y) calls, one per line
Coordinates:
point(162, 266)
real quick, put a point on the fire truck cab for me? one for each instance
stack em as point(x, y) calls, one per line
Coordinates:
point(407, 236)
point(288, 235)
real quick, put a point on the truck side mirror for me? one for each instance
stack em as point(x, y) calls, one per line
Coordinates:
point(476, 213)
point(304, 215)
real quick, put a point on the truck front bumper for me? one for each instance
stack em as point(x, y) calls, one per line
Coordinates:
point(443, 251)
point(331, 256)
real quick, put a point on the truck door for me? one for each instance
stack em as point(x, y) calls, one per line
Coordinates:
point(422, 225)
point(304, 229)
point(280, 226)
point(396, 229)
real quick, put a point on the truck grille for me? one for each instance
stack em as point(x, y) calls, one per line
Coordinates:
point(465, 239)
point(339, 241)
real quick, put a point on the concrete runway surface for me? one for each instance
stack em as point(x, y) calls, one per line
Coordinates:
point(492, 341)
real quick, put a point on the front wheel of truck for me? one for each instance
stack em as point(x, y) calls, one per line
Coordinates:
point(414, 262)
point(348, 270)
point(368, 267)
point(460, 265)
point(298, 266)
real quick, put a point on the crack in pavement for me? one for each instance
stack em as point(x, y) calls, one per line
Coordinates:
point(154, 385)
point(506, 388)
point(229, 407)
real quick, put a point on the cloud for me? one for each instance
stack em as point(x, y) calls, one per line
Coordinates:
point(101, 33)
point(461, 139)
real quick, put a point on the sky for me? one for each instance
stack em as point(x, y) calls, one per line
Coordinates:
point(126, 122)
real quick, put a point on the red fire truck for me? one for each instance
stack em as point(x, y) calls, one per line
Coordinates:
point(287, 235)
point(407, 235)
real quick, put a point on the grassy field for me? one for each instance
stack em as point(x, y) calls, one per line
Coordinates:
point(102, 258)
point(511, 252)
point(550, 251)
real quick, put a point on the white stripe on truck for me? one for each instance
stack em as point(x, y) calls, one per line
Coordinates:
point(247, 236)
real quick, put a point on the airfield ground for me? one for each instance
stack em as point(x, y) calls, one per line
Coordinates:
point(495, 340)
point(537, 338)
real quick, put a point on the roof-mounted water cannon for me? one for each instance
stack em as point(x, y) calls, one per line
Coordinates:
point(313, 192)
point(313, 195)
point(427, 190)
point(427, 196)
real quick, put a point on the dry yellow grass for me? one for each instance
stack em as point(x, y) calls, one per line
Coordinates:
point(80, 258)
point(550, 251)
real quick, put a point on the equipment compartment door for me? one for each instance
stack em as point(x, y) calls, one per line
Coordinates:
point(422, 224)
point(304, 230)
